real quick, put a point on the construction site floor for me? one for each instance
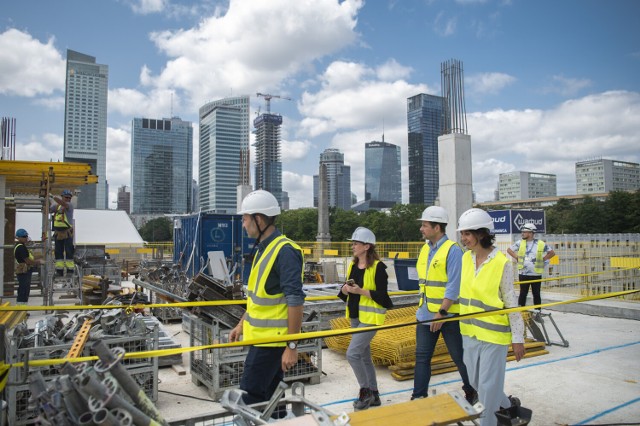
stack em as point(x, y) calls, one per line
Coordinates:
point(595, 380)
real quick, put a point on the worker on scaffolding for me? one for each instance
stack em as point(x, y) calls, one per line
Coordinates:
point(25, 264)
point(275, 300)
point(62, 211)
point(532, 255)
point(438, 269)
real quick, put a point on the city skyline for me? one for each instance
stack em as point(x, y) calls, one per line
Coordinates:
point(533, 101)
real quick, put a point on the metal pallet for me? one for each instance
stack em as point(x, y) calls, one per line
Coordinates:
point(221, 369)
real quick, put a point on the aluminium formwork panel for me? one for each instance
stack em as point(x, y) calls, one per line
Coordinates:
point(221, 368)
point(20, 411)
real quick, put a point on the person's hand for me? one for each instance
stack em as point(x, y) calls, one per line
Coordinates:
point(289, 359)
point(435, 326)
point(345, 289)
point(518, 350)
point(235, 333)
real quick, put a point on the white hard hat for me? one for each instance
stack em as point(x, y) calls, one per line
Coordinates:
point(529, 227)
point(260, 201)
point(474, 219)
point(435, 214)
point(363, 235)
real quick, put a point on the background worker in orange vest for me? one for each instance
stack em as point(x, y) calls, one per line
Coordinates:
point(274, 303)
point(438, 268)
point(62, 211)
point(532, 256)
point(24, 269)
point(367, 302)
point(486, 284)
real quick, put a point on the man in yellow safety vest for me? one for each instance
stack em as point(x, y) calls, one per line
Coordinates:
point(275, 300)
point(62, 211)
point(532, 256)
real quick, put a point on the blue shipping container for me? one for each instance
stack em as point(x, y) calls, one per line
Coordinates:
point(196, 235)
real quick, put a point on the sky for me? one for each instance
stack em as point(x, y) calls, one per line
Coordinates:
point(547, 83)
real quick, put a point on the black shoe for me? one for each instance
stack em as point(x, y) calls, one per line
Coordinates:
point(515, 401)
point(471, 396)
point(376, 399)
point(417, 397)
point(364, 399)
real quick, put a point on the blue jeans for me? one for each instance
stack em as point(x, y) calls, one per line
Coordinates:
point(425, 346)
point(262, 373)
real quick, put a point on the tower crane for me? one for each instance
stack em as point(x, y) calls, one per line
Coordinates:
point(267, 100)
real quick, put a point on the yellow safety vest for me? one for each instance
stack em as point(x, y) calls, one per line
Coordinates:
point(267, 314)
point(433, 281)
point(481, 293)
point(538, 267)
point(60, 218)
point(369, 312)
point(22, 267)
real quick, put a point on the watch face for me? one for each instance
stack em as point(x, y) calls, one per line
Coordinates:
point(292, 345)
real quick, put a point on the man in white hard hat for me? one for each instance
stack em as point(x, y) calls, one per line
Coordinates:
point(438, 270)
point(275, 299)
point(532, 255)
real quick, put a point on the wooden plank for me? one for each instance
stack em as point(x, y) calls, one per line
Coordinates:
point(438, 410)
point(179, 369)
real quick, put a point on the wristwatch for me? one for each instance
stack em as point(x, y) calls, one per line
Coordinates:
point(292, 345)
point(443, 312)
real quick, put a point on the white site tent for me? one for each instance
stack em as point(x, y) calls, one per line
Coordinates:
point(111, 228)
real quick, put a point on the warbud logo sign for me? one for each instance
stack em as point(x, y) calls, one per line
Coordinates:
point(522, 217)
point(501, 221)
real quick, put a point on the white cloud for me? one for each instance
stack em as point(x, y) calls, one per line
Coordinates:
point(294, 150)
point(300, 189)
point(250, 47)
point(47, 147)
point(28, 67)
point(552, 141)
point(392, 70)
point(118, 160)
point(444, 26)
point(566, 86)
point(488, 83)
point(145, 7)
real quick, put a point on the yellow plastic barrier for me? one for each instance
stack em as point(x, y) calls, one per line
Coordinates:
point(329, 252)
point(625, 262)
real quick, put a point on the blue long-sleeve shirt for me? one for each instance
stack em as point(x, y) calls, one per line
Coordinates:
point(286, 274)
point(454, 268)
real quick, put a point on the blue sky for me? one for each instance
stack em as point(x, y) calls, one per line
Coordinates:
point(547, 83)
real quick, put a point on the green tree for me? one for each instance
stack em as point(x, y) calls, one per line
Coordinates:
point(157, 230)
point(559, 217)
point(299, 224)
point(588, 217)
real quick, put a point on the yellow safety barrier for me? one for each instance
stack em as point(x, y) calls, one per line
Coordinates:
point(625, 262)
point(399, 254)
point(144, 251)
point(329, 252)
point(306, 251)
point(555, 260)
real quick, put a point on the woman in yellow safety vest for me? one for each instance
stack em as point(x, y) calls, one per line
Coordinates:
point(367, 302)
point(486, 284)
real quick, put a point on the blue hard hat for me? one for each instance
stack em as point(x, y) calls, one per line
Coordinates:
point(67, 193)
point(22, 233)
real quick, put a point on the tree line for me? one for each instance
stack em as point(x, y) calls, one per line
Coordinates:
point(619, 213)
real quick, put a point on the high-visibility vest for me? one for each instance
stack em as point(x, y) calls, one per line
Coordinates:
point(22, 267)
point(369, 312)
point(538, 267)
point(480, 293)
point(60, 218)
point(267, 314)
point(433, 282)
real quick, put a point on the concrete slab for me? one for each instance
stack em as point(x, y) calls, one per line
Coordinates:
point(596, 380)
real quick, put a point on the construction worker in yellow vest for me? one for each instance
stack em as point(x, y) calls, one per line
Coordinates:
point(438, 270)
point(532, 256)
point(486, 284)
point(62, 211)
point(274, 303)
point(367, 298)
point(25, 262)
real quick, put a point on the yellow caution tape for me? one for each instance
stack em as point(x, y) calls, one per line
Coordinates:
point(313, 334)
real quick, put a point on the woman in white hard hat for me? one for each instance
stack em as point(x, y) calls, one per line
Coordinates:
point(486, 284)
point(367, 302)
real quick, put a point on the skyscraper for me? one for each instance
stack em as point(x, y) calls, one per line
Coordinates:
point(161, 165)
point(224, 153)
point(85, 123)
point(382, 177)
point(268, 165)
point(426, 120)
point(338, 180)
point(124, 199)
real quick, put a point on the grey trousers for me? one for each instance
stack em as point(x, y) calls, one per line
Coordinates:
point(486, 364)
point(359, 356)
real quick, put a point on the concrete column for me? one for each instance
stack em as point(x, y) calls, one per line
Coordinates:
point(3, 204)
point(456, 190)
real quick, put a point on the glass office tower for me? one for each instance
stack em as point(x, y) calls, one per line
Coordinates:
point(224, 153)
point(85, 124)
point(426, 116)
point(161, 166)
point(382, 177)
